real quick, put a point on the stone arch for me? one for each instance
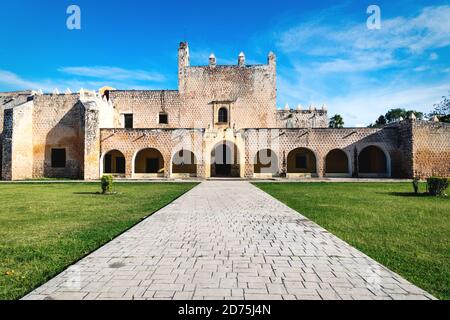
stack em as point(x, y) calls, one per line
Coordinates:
point(113, 162)
point(302, 161)
point(337, 163)
point(266, 162)
point(373, 161)
point(148, 163)
point(184, 163)
point(225, 160)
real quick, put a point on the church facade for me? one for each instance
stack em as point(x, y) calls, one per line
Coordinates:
point(221, 122)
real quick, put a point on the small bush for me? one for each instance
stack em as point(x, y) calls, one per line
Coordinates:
point(437, 186)
point(107, 184)
point(416, 185)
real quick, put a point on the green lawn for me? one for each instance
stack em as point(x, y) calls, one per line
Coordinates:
point(46, 227)
point(408, 234)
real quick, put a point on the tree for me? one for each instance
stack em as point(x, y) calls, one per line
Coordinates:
point(394, 115)
point(381, 122)
point(336, 122)
point(442, 110)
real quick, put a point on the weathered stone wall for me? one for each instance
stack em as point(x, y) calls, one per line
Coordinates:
point(302, 119)
point(168, 141)
point(321, 142)
point(250, 91)
point(430, 148)
point(405, 138)
point(146, 107)
point(7, 142)
point(17, 159)
point(9, 99)
point(7, 135)
point(90, 126)
point(57, 123)
point(1, 155)
point(3, 100)
point(249, 142)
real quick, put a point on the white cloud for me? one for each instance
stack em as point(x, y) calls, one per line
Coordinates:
point(365, 107)
point(433, 56)
point(356, 48)
point(361, 73)
point(358, 63)
point(365, 98)
point(12, 81)
point(421, 68)
point(430, 29)
point(113, 73)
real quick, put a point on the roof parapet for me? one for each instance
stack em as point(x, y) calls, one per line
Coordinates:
point(241, 60)
point(212, 60)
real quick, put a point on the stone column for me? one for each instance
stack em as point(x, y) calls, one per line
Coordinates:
point(129, 164)
point(167, 164)
point(17, 150)
point(320, 165)
point(91, 129)
point(7, 145)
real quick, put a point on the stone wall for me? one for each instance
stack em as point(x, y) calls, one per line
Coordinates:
point(9, 99)
point(249, 142)
point(430, 148)
point(405, 138)
point(63, 121)
point(7, 144)
point(57, 123)
point(146, 107)
point(17, 159)
point(90, 126)
point(167, 141)
point(302, 119)
point(321, 142)
point(249, 91)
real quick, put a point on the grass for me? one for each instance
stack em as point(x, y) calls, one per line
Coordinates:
point(409, 234)
point(44, 228)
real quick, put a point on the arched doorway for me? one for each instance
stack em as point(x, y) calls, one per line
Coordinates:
point(148, 163)
point(336, 163)
point(301, 162)
point(266, 163)
point(225, 160)
point(184, 163)
point(114, 163)
point(372, 161)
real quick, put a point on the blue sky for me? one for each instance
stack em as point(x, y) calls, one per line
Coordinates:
point(325, 52)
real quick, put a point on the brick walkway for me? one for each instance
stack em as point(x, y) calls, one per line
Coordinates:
point(227, 240)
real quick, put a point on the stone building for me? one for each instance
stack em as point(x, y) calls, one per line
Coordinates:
point(221, 122)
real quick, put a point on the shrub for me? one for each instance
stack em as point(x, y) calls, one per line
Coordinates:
point(437, 186)
point(107, 184)
point(416, 185)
